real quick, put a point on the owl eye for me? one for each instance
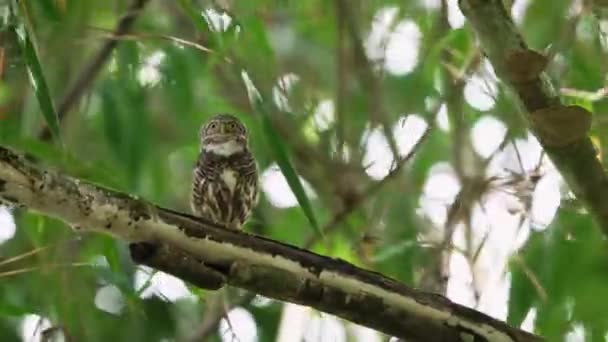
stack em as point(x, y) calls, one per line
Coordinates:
point(213, 126)
point(232, 125)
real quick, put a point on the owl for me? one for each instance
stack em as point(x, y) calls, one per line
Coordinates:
point(225, 179)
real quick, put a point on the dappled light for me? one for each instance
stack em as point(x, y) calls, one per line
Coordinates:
point(239, 324)
point(155, 283)
point(277, 190)
point(110, 299)
point(416, 170)
point(480, 90)
point(32, 326)
point(487, 135)
point(7, 224)
point(393, 44)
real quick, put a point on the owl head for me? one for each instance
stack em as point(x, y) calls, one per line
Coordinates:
point(224, 135)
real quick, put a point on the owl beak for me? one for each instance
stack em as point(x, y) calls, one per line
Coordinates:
point(223, 137)
point(241, 138)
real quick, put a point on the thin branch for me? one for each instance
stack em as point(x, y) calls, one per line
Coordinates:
point(375, 187)
point(367, 78)
point(90, 71)
point(138, 36)
point(23, 255)
point(212, 319)
point(42, 268)
point(254, 263)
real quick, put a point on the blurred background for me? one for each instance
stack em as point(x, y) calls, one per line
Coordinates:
point(381, 124)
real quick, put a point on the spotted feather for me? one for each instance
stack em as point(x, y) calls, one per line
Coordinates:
point(225, 185)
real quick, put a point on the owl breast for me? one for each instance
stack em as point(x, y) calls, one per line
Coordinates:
point(225, 189)
point(229, 177)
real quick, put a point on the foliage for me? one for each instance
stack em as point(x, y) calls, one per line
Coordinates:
point(136, 129)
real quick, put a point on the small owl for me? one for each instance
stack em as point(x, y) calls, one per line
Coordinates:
point(225, 180)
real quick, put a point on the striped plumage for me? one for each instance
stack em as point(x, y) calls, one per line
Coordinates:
point(225, 179)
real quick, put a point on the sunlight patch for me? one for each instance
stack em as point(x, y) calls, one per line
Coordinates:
point(277, 189)
point(218, 22)
point(252, 91)
point(110, 299)
point(487, 134)
point(378, 156)
point(149, 74)
point(459, 288)
point(576, 334)
point(443, 121)
point(240, 326)
point(161, 284)
point(431, 4)
point(280, 91)
point(324, 115)
point(407, 131)
point(455, 16)
point(293, 322)
point(7, 225)
point(546, 200)
point(364, 334)
point(32, 326)
point(518, 10)
point(481, 90)
point(396, 46)
point(402, 48)
point(324, 328)
point(529, 321)
point(439, 191)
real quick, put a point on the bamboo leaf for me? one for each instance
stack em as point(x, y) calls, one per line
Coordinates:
point(282, 158)
point(195, 15)
point(36, 75)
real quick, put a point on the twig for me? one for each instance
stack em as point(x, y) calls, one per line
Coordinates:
point(32, 252)
point(341, 77)
point(107, 34)
point(36, 268)
point(88, 74)
point(211, 324)
point(365, 72)
point(375, 187)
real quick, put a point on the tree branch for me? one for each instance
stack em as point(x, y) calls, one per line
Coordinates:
point(261, 265)
point(562, 130)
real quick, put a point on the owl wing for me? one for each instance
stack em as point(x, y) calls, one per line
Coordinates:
point(203, 174)
point(247, 187)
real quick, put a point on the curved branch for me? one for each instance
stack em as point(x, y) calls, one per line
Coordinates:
point(562, 130)
point(258, 264)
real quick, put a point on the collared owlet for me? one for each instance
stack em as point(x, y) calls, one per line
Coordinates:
point(225, 181)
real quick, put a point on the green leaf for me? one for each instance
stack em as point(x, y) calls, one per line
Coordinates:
point(195, 15)
point(282, 158)
point(49, 9)
point(37, 78)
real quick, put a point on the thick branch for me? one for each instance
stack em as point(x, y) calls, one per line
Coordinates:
point(561, 130)
point(251, 262)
